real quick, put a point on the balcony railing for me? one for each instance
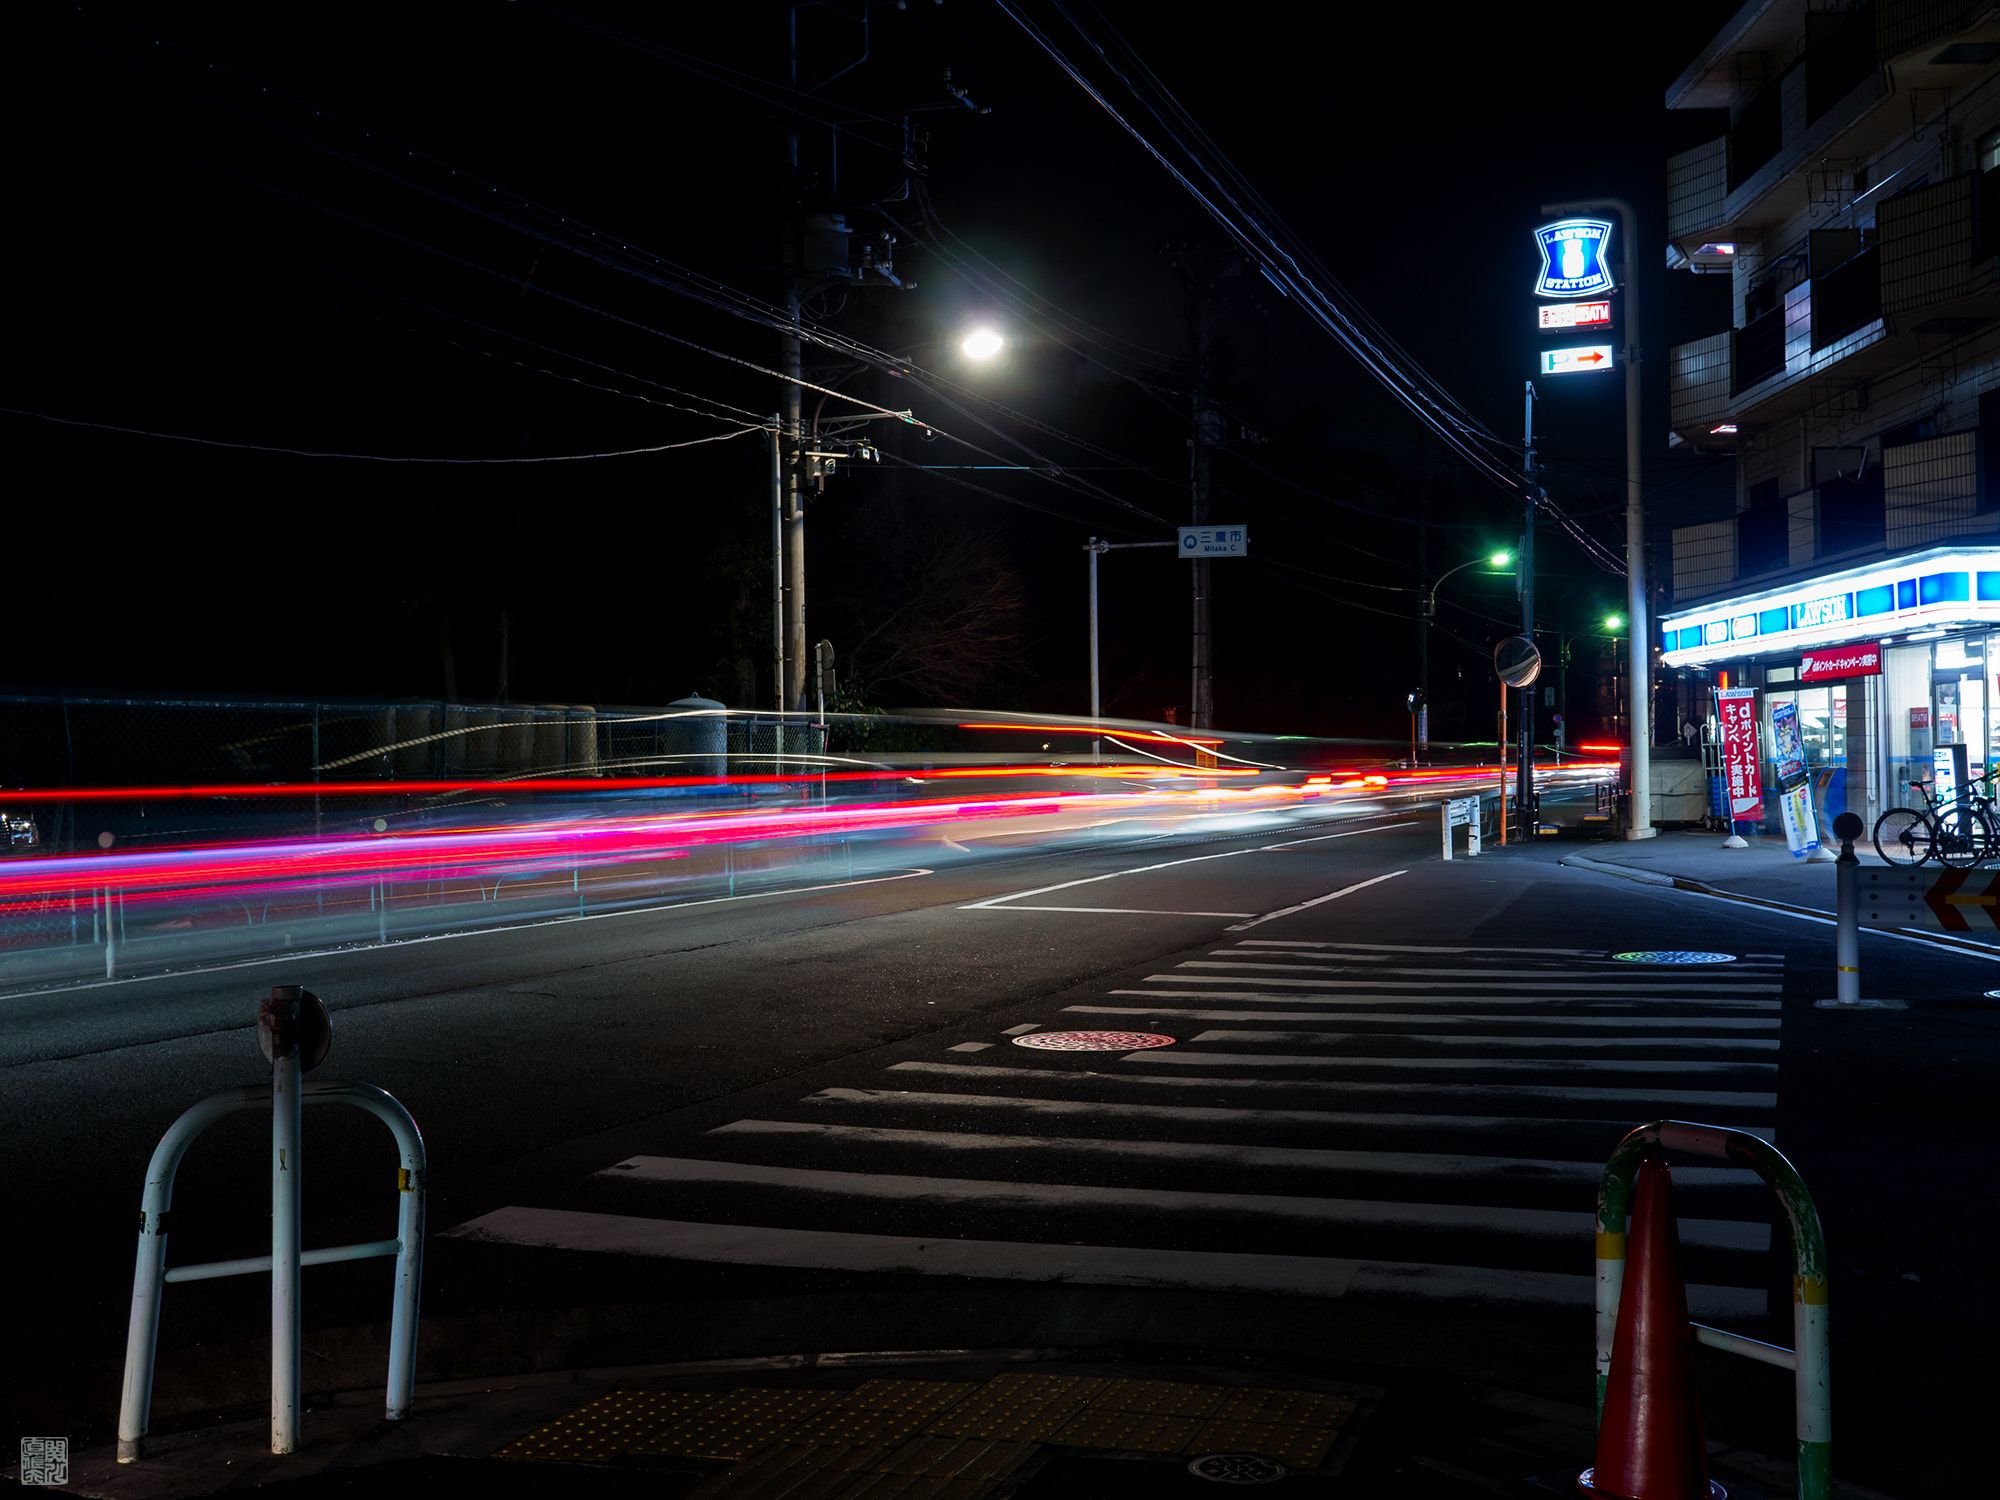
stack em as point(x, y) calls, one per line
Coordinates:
point(1847, 297)
point(1760, 349)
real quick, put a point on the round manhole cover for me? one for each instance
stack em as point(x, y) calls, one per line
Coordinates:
point(1093, 1041)
point(1675, 956)
point(1238, 1468)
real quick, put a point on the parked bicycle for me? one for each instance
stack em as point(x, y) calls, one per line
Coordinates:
point(1960, 833)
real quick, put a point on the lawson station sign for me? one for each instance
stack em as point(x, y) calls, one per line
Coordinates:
point(1944, 587)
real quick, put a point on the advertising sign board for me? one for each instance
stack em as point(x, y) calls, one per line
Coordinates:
point(1736, 708)
point(1577, 361)
point(1788, 755)
point(1573, 263)
point(1574, 315)
point(1864, 660)
point(1801, 827)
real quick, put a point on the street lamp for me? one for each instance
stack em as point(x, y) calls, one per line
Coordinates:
point(981, 344)
point(1428, 606)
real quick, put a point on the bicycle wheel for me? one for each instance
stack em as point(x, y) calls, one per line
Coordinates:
point(1903, 836)
point(1964, 834)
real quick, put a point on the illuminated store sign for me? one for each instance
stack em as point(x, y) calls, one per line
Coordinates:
point(1944, 587)
point(1574, 315)
point(1576, 361)
point(1831, 662)
point(1573, 263)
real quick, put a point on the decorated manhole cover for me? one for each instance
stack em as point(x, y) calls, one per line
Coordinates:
point(1093, 1041)
point(1237, 1468)
point(1675, 956)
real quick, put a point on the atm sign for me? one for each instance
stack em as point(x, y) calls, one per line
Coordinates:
point(1575, 315)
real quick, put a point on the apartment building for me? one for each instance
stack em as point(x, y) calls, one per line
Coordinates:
point(1855, 202)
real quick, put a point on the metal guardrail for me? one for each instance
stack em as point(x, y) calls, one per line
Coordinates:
point(1808, 1358)
point(287, 1093)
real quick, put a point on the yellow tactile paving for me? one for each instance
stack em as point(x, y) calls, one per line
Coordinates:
point(906, 1395)
point(739, 1423)
point(1128, 1432)
point(618, 1423)
point(1285, 1408)
point(1019, 1408)
point(840, 1425)
point(1296, 1447)
point(1163, 1398)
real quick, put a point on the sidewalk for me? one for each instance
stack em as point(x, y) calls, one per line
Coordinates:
point(969, 1424)
point(1765, 871)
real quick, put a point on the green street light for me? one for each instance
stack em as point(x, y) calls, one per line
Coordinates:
point(1614, 622)
point(1501, 559)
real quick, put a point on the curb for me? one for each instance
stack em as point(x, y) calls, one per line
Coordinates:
point(1703, 888)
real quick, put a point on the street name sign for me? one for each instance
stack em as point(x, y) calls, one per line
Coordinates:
point(1574, 315)
point(1577, 361)
point(1215, 541)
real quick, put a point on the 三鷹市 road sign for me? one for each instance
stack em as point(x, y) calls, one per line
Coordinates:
point(1215, 541)
point(1576, 361)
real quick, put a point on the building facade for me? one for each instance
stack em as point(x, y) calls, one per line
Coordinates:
point(1855, 202)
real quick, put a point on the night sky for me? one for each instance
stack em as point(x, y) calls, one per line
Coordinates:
point(501, 230)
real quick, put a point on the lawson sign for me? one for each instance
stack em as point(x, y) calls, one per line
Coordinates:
point(1841, 661)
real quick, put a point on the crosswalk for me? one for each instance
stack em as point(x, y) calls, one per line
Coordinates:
point(1368, 1121)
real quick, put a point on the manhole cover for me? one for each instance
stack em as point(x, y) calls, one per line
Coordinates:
point(1238, 1468)
point(1675, 956)
point(1093, 1041)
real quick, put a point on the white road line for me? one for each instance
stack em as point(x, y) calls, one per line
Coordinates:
point(1369, 976)
point(1480, 1092)
point(1179, 1058)
point(1022, 1030)
point(1286, 911)
point(1211, 1114)
point(1263, 976)
point(1423, 948)
point(1619, 1003)
point(1540, 1223)
point(1401, 1163)
point(1382, 963)
point(970, 1047)
point(1114, 911)
point(1343, 1038)
point(1737, 1023)
point(1088, 1265)
point(1322, 838)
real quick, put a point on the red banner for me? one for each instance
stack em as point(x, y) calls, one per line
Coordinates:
point(1737, 708)
point(1863, 660)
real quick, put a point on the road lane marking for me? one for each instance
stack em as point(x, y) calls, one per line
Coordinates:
point(1480, 1092)
point(1738, 1023)
point(970, 1047)
point(1611, 979)
point(1409, 1163)
point(1422, 984)
point(1423, 948)
point(1543, 1223)
point(1286, 911)
point(1211, 1114)
point(1193, 859)
point(1342, 1038)
point(1114, 911)
point(1621, 1002)
point(1182, 1058)
point(342, 950)
point(1087, 1265)
point(1348, 834)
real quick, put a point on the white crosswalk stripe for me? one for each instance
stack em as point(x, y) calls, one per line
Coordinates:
point(1432, 1133)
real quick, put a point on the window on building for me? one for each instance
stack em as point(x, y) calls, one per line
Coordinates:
point(1989, 451)
point(1763, 541)
point(1986, 154)
point(1852, 515)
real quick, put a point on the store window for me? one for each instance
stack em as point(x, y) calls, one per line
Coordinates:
point(1958, 686)
point(1906, 684)
point(1813, 722)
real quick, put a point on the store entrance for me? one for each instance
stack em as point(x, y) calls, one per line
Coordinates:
point(1958, 698)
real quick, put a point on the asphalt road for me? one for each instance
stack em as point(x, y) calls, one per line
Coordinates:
point(805, 1121)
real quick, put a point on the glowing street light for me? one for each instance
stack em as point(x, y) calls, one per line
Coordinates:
point(982, 344)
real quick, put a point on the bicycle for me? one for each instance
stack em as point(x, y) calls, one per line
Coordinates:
point(1959, 834)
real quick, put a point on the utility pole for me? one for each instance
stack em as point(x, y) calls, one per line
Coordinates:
point(1201, 272)
point(1524, 793)
point(792, 688)
point(1639, 667)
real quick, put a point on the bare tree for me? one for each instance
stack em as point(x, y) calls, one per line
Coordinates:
point(941, 622)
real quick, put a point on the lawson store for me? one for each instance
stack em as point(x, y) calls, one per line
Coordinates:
point(1885, 661)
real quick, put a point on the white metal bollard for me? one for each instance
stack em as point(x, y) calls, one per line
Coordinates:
point(287, 1128)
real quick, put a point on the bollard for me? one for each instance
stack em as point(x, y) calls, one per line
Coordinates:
point(280, 1021)
point(1847, 925)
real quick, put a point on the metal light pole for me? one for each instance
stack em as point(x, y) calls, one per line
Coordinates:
point(1094, 547)
point(1639, 672)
